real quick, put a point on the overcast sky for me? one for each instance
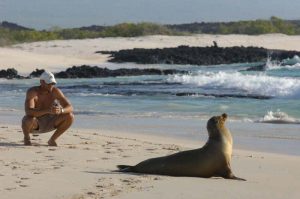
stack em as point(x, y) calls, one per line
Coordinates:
point(43, 14)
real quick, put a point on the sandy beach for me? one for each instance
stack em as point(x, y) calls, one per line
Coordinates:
point(61, 54)
point(82, 166)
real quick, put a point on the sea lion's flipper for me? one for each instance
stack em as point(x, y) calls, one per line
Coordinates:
point(227, 174)
point(125, 168)
point(237, 178)
point(233, 177)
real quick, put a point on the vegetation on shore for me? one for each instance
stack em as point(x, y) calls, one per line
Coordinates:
point(257, 27)
point(15, 35)
point(12, 33)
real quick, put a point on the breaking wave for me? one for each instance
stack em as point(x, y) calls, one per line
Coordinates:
point(259, 84)
point(278, 117)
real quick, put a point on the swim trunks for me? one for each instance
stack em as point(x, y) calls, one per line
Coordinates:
point(45, 123)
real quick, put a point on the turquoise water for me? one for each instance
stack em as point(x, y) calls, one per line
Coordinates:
point(263, 107)
point(204, 91)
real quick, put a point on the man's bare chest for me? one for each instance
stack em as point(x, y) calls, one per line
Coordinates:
point(44, 100)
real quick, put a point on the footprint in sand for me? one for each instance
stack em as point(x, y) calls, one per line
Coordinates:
point(21, 183)
point(84, 138)
point(172, 148)
point(51, 149)
point(151, 149)
point(14, 167)
point(86, 142)
point(10, 188)
point(134, 145)
point(110, 152)
point(49, 157)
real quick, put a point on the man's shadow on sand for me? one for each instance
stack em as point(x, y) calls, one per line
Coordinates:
point(8, 144)
point(13, 144)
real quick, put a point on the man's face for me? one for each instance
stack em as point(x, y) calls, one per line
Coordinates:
point(46, 86)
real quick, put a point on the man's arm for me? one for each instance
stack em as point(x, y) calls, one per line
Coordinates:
point(30, 109)
point(64, 102)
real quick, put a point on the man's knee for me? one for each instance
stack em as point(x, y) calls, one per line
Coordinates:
point(28, 122)
point(69, 117)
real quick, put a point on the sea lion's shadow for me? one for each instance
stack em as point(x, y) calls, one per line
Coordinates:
point(121, 173)
point(114, 172)
point(142, 174)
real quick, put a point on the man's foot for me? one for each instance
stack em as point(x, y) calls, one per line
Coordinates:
point(27, 142)
point(52, 143)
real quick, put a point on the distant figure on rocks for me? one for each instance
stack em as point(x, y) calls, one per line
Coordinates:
point(215, 44)
point(46, 109)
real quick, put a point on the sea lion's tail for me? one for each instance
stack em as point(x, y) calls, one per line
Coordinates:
point(125, 168)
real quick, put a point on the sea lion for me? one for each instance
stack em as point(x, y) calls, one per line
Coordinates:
point(213, 159)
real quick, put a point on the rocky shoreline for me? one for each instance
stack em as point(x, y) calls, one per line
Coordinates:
point(86, 71)
point(184, 55)
point(212, 55)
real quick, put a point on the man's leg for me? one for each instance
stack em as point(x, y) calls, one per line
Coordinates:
point(28, 125)
point(62, 123)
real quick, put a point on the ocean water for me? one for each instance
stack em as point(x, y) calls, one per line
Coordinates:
point(263, 106)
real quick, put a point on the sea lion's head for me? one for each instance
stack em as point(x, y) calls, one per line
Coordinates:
point(215, 125)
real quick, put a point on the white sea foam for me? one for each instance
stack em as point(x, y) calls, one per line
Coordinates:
point(270, 65)
point(278, 117)
point(276, 66)
point(260, 84)
point(293, 63)
point(295, 66)
point(8, 110)
point(97, 94)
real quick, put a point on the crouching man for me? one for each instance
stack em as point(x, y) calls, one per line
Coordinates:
point(46, 109)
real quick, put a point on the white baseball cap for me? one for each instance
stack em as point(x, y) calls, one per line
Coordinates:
point(48, 77)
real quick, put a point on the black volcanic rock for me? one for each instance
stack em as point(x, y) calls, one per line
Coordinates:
point(212, 55)
point(260, 67)
point(10, 73)
point(36, 73)
point(85, 71)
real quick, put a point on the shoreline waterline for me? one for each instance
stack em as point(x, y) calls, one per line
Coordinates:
point(260, 137)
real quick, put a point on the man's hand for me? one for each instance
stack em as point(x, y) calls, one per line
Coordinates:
point(56, 110)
